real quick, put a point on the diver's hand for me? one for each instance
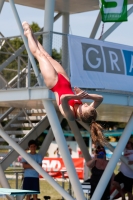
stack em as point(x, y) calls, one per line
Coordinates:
point(81, 93)
point(77, 90)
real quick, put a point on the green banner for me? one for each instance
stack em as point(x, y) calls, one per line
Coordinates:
point(113, 10)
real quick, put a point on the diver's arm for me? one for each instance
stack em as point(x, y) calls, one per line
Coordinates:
point(97, 99)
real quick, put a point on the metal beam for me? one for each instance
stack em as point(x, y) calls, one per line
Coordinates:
point(12, 57)
point(57, 16)
point(33, 134)
point(65, 52)
point(48, 25)
point(79, 140)
point(6, 114)
point(4, 183)
point(48, 139)
point(25, 94)
point(1, 4)
point(37, 167)
point(96, 26)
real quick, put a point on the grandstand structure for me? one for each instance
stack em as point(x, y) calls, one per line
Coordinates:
point(33, 108)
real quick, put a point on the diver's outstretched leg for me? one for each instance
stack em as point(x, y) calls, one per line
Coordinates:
point(54, 63)
point(48, 71)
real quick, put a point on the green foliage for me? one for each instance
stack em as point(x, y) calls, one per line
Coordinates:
point(35, 27)
point(16, 43)
point(56, 55)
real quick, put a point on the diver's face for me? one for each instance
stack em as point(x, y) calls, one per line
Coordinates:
point(85, 108)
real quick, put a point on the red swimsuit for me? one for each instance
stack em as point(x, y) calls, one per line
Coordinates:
point(63, 86)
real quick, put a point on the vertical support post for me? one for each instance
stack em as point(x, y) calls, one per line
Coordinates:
point(16, 180)
point(1, 5)
point(18, 81)
point(48, 25)
point(65, 55)
point(113, 161)
point(28, 67)
point(55, 127)
point(90, 145)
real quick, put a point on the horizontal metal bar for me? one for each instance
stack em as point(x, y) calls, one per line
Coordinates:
point(8, 53)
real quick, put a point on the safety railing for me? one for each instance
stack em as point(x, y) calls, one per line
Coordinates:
point(17, 176)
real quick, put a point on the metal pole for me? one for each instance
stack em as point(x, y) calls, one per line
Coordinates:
point(25, 41)
point(48, 139)
point(65, 29)
point(12, 57)
point(18, 82)
point(45, 145)
point(47, 43)
point(6, 113)
point(28, 67)
point(79, 140)
point(113, 161)
point(64, 150)
point(16, 180)
point(48, 25)
point(29, 72)
point(90, 145)
point(55, 127)
point(4, 183)
point(57, 16)
point(96, 26)
point(1, 5)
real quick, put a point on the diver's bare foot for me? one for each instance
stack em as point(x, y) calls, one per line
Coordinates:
point(27, 29)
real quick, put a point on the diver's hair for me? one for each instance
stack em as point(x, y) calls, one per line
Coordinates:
point(97, 134)
point(95, 128)
point(90, 116)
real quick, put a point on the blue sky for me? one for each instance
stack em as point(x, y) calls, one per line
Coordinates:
point(80, 24)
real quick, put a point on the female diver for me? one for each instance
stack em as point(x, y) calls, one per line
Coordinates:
point(56, 79)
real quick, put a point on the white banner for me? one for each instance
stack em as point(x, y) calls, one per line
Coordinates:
point(99, 64)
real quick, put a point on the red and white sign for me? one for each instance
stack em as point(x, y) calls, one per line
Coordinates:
point(56, 168)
